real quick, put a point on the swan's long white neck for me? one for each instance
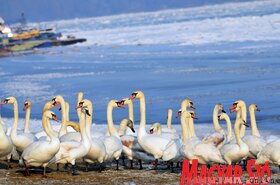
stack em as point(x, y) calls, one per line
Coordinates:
point(142, 127)
point(15, 125)
point(27, 120)
point(244, 117)
point(237, 131)
point(191, 126)
point(123, 127)
point(66, 111)
point(169, 118)
point(111, 127)
point(184, 125)
point(84, 133)
point(80, 98)
point(229, 131)
point(63, 128)
point(217, 126)
point(130, 111)
point(48, 128)
point(255, 131)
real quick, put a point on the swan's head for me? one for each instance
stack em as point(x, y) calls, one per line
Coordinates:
point(236, 106)
point(156, 127)
point(254, 107)
point(51, 115)
point(189, 114)
point(27, 104)
point(136, 94)
point(117, 103)
point(127, 101)
point(84, 102)
point(9, 100)
point(48, 106)
point(57, 100)
point(130, 125)
point(189, 103)
point(220, 107)
point(222, 116)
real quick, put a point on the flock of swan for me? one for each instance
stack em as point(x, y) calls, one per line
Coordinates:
point(161, 143)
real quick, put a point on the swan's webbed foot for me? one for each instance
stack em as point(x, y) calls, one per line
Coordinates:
point(140, 163)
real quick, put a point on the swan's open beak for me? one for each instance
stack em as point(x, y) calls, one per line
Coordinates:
point(151, 131)
point(121, 104)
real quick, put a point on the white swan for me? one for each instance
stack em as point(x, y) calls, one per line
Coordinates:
point(239, 107)
point(270, 153)
point(27, 109)
point(224, 116)
point(97, 151)
point(113, 142)
point(40, 152)
point(70, 151)
point(131, 147)
point(192, 147)
point(158, 146)
point(6, 145)
point(168, 131)
point(22, 140)
point(73, 126)
point(218, 138)
point(235, 152)
point(254, 141)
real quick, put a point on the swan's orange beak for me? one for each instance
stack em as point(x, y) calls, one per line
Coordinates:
point(133, 96)
point(232, 109)
point(26, 106)
point(55, 118)
point(194, 116)
point(4, 102)
point(80, 105)
point(120, 104)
